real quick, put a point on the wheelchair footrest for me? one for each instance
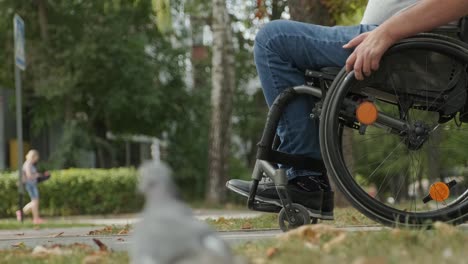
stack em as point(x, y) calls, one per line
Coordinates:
point(266, 207)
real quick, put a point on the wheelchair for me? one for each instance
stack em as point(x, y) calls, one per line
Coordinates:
point(401, 133)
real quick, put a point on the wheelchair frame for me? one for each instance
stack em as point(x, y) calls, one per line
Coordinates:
point(318, 87)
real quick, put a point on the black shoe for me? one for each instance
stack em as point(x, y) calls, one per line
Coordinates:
point(319, 203)
point(328, 204)
point(266, 199)
point(308, 185)
point(266, 188)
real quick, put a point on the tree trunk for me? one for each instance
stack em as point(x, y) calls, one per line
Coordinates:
point(223, 83)
point(310, 11)
point(43, 22)
point(200, 60)
point(277, 8)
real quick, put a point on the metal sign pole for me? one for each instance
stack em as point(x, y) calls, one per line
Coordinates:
point(20, 64)
point(19, 132)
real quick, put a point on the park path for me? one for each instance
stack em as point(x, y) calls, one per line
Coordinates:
point(201, 214)
point(50, 236)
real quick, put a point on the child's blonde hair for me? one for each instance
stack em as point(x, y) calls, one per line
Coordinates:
point(32, 154)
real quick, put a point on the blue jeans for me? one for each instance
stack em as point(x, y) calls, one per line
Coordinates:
point(283, 51)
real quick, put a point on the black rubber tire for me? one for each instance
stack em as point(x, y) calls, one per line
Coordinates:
point(336, 166)
point(301, 215)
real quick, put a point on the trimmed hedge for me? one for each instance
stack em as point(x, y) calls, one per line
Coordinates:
point(78, 191)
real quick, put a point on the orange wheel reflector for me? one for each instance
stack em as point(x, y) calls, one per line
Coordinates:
point(367, 113)
point(439, 191)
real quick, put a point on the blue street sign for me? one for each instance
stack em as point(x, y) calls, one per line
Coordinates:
point(20, 55)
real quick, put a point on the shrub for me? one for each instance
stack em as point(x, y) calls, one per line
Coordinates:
point(78, 191)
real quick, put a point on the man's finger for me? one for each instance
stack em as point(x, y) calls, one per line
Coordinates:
point(366, 64)
point(350, 62)
point(376, 62)
point(355, 41)
point(358, 67)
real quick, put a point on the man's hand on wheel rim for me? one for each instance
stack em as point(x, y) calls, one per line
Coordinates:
point(369, 48)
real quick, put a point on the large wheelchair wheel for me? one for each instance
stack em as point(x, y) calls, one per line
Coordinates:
point(407, 166)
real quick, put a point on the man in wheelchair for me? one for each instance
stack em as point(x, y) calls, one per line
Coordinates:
point(284, 50)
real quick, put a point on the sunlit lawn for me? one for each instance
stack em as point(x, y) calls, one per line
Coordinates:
point(71, 255)
point(313, 244)
point(15, 225)
point(343, 217)
point(321, 243)
point(444, 245)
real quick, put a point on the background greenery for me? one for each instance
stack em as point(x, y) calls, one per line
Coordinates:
point(78, 191)
point(120, 66)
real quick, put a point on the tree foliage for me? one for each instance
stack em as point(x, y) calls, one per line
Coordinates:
point(122, 67)
point(105, 68)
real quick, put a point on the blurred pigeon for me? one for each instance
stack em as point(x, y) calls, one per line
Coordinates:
point(168, 232)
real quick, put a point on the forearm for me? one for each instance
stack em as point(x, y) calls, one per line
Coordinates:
point(30, 175)
point(424, 16)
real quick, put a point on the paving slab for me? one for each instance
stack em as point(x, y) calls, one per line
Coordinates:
point(201, 214)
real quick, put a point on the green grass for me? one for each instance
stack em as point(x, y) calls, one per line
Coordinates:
point(444, 245)
point(15, 225)
point(111, 230)
point(350, 217)
point(73, 255)
point(343, 217)
point(312, 244)
point(266, 221)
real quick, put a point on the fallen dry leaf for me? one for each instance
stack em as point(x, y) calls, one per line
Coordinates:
point(258, 260)
point(311, 233)
point(445, 228)
point(81, 246)
point(105, 230)
point(247, 225)
point(223, 221)
point(271, 252)
point(57, 250)
point(123, 232)
point(19, 245)
point(102, 246)
point(396, 232)
point(57, 246)
point(340, 238)
point(57, 235)
point(311, 246)
point(370, 260)
point(93, 259)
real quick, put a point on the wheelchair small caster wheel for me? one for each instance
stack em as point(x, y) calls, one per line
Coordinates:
point(298, 216)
